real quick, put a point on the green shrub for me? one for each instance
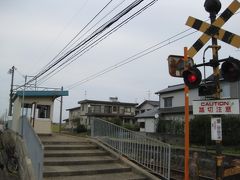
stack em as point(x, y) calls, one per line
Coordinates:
point(174, 127)
point(81, 128)
point(132, 127)
point(231, 130)
point(116, 121)
point(200, 130)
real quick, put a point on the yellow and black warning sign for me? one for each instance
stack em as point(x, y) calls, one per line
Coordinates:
point(214, 30)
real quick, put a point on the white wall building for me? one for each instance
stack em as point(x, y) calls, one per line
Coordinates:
point(172, 99)
point(37, 106)
point(148, 120)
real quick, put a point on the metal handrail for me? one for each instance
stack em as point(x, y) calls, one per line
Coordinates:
point(148, 152)
point(34, 148)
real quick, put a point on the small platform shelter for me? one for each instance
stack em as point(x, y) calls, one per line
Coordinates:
point(37, 107)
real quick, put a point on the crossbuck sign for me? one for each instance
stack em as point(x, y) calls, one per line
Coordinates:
point(214, 30)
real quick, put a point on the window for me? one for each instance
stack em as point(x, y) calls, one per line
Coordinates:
point(143, 110)
point(27, 110)
point(168, 102)
point(107, 109)
point(96, 108)
point(142, 124)
point(114, 109)
point(43, 111)
point(82, 107)
point(127, 109)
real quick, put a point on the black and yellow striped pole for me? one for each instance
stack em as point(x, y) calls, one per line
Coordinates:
point(213, 7)
point(215, 32)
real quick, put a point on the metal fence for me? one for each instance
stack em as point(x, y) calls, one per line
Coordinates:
point(34, 147)
point(148, 152)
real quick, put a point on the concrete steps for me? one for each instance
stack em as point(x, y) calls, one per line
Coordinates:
point(116, 176)
point(90, 169)
point(54, 161)
point(72, 153)
point(75, 159)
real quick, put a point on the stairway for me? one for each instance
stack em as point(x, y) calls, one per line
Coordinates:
point(68, 158)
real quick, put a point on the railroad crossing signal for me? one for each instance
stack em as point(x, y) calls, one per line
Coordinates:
point(216, 32)
point(231, 70)
point(192, 77)
point(214, 29)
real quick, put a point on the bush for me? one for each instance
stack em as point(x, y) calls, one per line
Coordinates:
point(174, 127)
point(132, 127)
point(116, 121)
point(231, 130)
point(81, 128)
point(200, 130)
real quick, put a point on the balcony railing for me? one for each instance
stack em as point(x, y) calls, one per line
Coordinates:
point(147, 152)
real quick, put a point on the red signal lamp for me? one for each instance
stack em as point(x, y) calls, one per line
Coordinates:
point(192, 77)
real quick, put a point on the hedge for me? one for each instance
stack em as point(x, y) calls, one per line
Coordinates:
point(200, 130)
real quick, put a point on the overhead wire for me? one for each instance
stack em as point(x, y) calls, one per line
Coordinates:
point(64, 48)
point(102, 29)
point(147, 52)
point(87, 48)
point(132, 58)
point(62, 32)
point(46, 66)
point(93, 35)
point(97, 23)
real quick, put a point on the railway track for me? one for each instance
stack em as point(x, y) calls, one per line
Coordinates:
point(179, 175)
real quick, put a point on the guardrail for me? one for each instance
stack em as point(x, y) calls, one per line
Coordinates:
point(34, 147)
point(148, 152)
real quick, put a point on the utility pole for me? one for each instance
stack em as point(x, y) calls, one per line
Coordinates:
point(60, 118)
point(213, 7)
point(11, 71)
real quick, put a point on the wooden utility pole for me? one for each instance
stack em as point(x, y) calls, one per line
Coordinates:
point(60, 118)
point(11, 71)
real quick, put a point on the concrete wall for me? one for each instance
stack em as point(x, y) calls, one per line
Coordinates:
point(145, 107)
point(41, 125)
point(26, 171)
point(178, 97)
point(150, 124)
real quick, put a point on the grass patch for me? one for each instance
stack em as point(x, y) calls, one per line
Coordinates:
point(55, 127)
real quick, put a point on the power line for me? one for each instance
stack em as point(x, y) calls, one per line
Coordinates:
point(75, 14)
point(93, 35)
point(97, 23)
point(77, 35)
point(88, 47)
point(132, 58)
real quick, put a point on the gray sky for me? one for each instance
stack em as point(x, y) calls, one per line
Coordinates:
point(32, 32)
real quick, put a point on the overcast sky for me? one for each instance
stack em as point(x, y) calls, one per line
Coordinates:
point(32, 32)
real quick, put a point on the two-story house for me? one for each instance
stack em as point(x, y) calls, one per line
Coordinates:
point(108, 110)
point(147, 115)
point(73, 117)
point(146, 105)
point(172, 98)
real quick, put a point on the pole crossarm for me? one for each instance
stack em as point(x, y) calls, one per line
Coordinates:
point(219, 22)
